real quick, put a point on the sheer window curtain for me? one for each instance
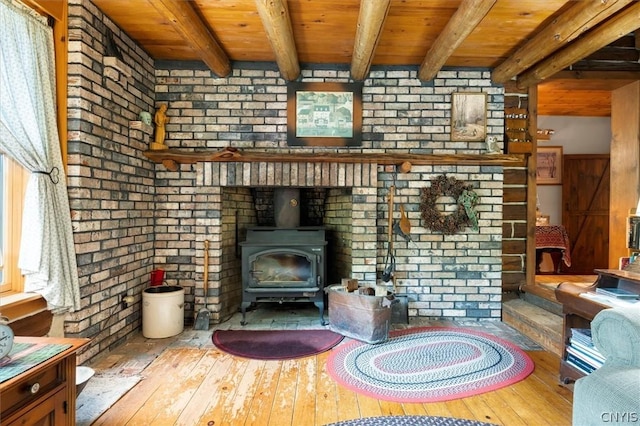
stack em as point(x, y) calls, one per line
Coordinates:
point(29, 135)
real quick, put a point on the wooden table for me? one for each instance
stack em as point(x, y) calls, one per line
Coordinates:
point(552, 239)
point(45, 392)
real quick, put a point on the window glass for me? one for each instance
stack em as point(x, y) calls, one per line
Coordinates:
point(2, 218)
point(13, 180)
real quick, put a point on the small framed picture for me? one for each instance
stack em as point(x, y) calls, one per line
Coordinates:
point(542, 220)
point(623, 262)
point(468, 116)
point(549, 165)
point(324, 114)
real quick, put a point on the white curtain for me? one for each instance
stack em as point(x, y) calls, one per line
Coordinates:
point(29, 135)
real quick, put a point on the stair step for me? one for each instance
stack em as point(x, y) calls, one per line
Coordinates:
point(540, 325)
point(552, 306)
point(545, 291)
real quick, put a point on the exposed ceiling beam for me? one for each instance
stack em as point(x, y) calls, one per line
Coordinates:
point(371, 19)
point(190, 26)
point(461, 24)
point(583, 16)
point(596, 75)
point(277, 24)
point(623, 23)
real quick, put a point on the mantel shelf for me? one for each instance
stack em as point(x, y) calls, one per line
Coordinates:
point(170, 158)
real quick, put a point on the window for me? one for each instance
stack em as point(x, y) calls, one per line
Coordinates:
point(12, 188)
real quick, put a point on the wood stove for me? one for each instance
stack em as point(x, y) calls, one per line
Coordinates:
point(284, 265)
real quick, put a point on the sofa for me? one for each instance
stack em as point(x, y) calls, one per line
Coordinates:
point(611, 394)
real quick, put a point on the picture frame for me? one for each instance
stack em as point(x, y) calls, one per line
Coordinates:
point(542, 220)
point(324, 114)
point(633, 232)
point(549, 165)
point(468, 116)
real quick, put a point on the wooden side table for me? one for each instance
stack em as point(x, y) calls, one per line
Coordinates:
point(44, 393)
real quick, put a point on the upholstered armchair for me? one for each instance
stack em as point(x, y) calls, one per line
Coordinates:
point(611, 394)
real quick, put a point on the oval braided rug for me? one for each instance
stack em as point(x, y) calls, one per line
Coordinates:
point(429, 364)
point(409, 421)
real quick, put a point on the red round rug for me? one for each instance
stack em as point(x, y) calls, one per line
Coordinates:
point(429, 364)
point(275, 344)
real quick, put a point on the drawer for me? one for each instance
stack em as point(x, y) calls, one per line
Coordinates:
point(31, 387)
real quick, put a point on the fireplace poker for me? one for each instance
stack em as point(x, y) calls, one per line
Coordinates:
point(202, 319)
point(388, 273)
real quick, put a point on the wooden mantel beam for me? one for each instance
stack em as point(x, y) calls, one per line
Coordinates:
point(623, 23)
point(277, 24)
point(461, 24)
point(170, 158)
point(190, 26)
point(371, 19)
point(581, 17)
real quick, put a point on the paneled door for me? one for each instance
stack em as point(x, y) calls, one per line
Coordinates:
point(585, 211)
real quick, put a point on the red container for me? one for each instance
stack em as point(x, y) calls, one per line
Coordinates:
point(157, 277)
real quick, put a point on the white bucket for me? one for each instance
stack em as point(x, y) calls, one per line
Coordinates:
point(162, 311)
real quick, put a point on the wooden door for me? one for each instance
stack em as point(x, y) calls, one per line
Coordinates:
point(585, 211)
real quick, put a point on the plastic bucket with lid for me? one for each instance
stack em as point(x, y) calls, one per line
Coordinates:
point(162, 311)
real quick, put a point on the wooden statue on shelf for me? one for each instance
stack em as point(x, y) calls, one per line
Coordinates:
point(160, 120)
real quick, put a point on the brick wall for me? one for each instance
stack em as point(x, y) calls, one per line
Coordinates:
point(338, 218)
point(131, 216)
point(238, 214)
point(445, 276)
point(111, 185)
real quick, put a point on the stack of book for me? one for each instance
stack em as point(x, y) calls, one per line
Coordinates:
point(618, 293)
point(613, 296)
point(581, 353)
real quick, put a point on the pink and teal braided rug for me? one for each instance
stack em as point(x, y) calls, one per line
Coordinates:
point(429, 364)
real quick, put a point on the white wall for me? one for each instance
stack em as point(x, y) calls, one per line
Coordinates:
point(576, 135)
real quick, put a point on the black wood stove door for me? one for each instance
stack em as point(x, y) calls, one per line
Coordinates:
point(282, 268)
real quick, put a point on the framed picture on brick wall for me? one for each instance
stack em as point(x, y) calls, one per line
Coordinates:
point(324, 114)
point(468, 116)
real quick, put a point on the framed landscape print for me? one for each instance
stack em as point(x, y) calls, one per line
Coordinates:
point(468, 116)
point(549, 165)
point(324, 114)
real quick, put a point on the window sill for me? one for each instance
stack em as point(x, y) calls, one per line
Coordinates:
point(16, 306)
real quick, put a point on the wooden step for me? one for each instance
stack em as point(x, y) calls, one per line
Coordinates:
point(540, 325)
point(543, 290)
point(551, 305)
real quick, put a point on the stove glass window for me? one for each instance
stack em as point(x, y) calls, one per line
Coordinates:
point(282, 270)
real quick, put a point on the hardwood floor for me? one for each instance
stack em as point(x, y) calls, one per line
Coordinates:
point(557, 279)
point(191, 386)
point(187, 381)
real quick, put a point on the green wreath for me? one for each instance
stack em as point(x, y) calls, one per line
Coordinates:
point(464, 215)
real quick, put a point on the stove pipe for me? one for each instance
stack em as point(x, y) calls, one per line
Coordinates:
point(286, 207)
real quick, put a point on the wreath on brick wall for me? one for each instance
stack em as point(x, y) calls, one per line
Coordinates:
point(464, 214)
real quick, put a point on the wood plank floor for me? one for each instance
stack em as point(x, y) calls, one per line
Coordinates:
point(190, 382)
point(557, 279)
point(191, 386)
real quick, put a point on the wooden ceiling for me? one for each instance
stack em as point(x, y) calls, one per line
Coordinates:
point(530, 41)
